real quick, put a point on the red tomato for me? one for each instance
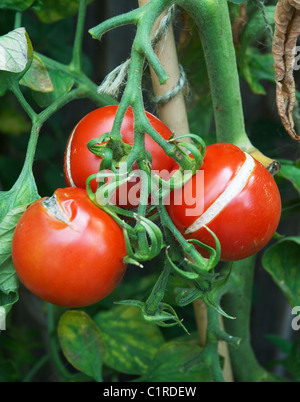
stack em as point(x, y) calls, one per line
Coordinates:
point(67, 251)
point(233, 195)
point(80, 163)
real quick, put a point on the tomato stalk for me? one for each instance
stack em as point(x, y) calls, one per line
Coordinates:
point(237, 300)
point(219, 52)
point(76, 62)
point(216, 39)
point(173, 113)
point(198, 266)
point(145, 18)
point(38, 119)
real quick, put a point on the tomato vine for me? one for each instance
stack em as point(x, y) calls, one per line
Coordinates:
point(150, 232)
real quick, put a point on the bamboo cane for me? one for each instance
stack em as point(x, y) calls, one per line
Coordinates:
point(173, 113)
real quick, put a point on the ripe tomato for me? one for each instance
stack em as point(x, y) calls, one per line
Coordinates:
point(67, 251)
point(233, 195)
point(80, 163)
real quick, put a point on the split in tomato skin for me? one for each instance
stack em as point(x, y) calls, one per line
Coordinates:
point(245, 223)
point(80, 162)
point(67, 251)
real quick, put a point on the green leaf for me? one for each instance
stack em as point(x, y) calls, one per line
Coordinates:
point(290, 171)
point(8, 278)
point(12, 205)
point(257, 67)
point(284, 345)
point(254, 65)
point(178, 362)
point(291, 352)
point(237, 1)
point(23, 192)
point(9, 372)
point(37, 77)
point(13, 122)
point(282, 262)
point(131, 343)
point(82, 343)
point(61, 83)
point(290, 207)
point(53, 10)
point(14, 51)
point(255, 28)
point(16, 55)
point(16, 5)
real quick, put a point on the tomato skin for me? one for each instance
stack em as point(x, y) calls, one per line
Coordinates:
point(74, 261)
point(247, 223)
point(80, 163)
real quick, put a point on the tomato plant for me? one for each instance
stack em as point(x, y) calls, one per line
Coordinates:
point(67, 117)
point(241, 203)
point(67, 251)
point(80, 162)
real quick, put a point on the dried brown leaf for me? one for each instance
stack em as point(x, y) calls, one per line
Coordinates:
point(287, 29)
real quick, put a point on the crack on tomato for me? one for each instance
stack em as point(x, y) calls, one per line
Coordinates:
point(235, 187)
point(55, 210)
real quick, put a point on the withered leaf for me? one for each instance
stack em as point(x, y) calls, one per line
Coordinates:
point(287, 29)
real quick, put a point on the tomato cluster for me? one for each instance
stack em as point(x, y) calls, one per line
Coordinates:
point(69, 252)
point(65, 249)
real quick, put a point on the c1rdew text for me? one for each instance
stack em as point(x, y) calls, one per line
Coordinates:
point(150, 391)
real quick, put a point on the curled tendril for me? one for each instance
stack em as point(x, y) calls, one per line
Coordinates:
point(161, 316)
point(186, 296)
point(214, 253)
point(196, 147)
point(106, 190)
point(98, 145)
point(155, 243)
point(184, 273)
point(102, 148)
point(194, 266)
point(161, 188)
point(205, 289)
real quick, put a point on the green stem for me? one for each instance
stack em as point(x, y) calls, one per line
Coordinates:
point(60, 102)
point(213, 22)
point(18, 20)
point(144, 197)
point(53, 344)
point(145, 18)
point(76, 62)
point(40, 363)
point(211, 347)
point(14, 87)
point(237, 303)
point(80, 79)
point(187, 247)
point(158, 290)
point(39, 119)
point(131, 17)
